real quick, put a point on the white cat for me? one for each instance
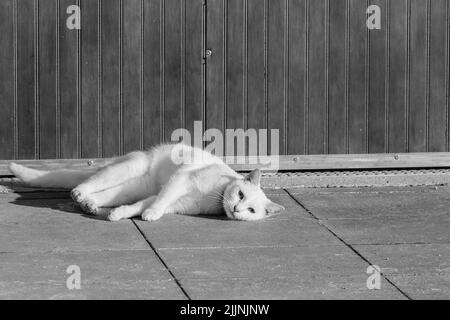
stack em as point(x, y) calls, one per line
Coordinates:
point(151, 184)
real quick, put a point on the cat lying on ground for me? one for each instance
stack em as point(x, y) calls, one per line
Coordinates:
point(151, 184)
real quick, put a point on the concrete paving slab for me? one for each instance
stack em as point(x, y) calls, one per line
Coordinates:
point(296, 272)
point(206, 233)
point(292, 227)
point(392, 230)
point(373, 202)
point(347, 287)
point(236, 263)
point(422, 271)
point(56, 225)
point(129, 274)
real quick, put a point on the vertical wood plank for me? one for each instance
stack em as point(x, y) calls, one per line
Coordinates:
point(110, 77)
point(152, 72)
point(276, 70)
point(337, 78)
point(397, 75)
point(194, 91)
point(7, 79)
point(235, 68)
point(172, 67)
point(131, 75)
point(377, 93)
point(256, 118)
point(297, 77)
point(438, 76)
point(215, 72)
point(316, 77)
point(234, 64)
point(26, 102)
point(90, 134)
point(68, 84)
point(90, 131)
point(357, 77)
point(418, 75)
point(48, 25)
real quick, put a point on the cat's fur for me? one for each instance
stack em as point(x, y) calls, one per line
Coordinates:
point(151, 184)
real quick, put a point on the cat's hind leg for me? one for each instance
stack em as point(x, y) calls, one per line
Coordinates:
point(130, 166)
point(128, 192)
point(130, 211)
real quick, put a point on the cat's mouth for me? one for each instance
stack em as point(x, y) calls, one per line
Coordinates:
point(230, 214)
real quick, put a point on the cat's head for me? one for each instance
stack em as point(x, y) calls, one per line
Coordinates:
point(243, 199)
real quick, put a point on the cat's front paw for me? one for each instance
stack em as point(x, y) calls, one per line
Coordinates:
point(152, 215)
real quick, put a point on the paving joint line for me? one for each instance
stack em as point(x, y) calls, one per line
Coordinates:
point(346, 244)
point(162, 260)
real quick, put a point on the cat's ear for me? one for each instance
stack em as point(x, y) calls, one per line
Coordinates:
point(273, 208)
point(254, 177)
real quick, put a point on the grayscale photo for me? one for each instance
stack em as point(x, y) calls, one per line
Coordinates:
point(228, 154)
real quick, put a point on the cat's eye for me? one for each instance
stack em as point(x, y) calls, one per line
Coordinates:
point(251, 210)
point(241, 195)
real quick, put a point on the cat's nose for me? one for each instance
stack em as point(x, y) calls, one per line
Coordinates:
point(235, 209)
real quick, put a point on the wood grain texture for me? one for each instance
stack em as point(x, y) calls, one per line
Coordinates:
point(256, 71)
point(48, 99)
point(438, 77)
point(377, 80)
point(26, 82)
point(137, 70)
point(215, 65)
point(90, 85)
point(235, 73)
point(7, 52)
point(357, 108)
point(397, 75)
point(111, 102)
point(131, 85)
point(297, 78)
point(152, 77)
point(418, 77)
point(235, 64)
point(69, 103)
point(276, 68)
point(317, 96)
point(193, 77)
point(172, 67)
point(337, 104)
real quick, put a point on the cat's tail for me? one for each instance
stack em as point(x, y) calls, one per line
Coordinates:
point(64, 178)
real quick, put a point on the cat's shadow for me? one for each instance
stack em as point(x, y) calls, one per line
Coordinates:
point(61, 201)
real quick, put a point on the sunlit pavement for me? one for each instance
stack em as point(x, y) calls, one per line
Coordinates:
point(328, 244)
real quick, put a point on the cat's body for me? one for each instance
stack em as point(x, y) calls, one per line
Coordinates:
point(151, 184)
